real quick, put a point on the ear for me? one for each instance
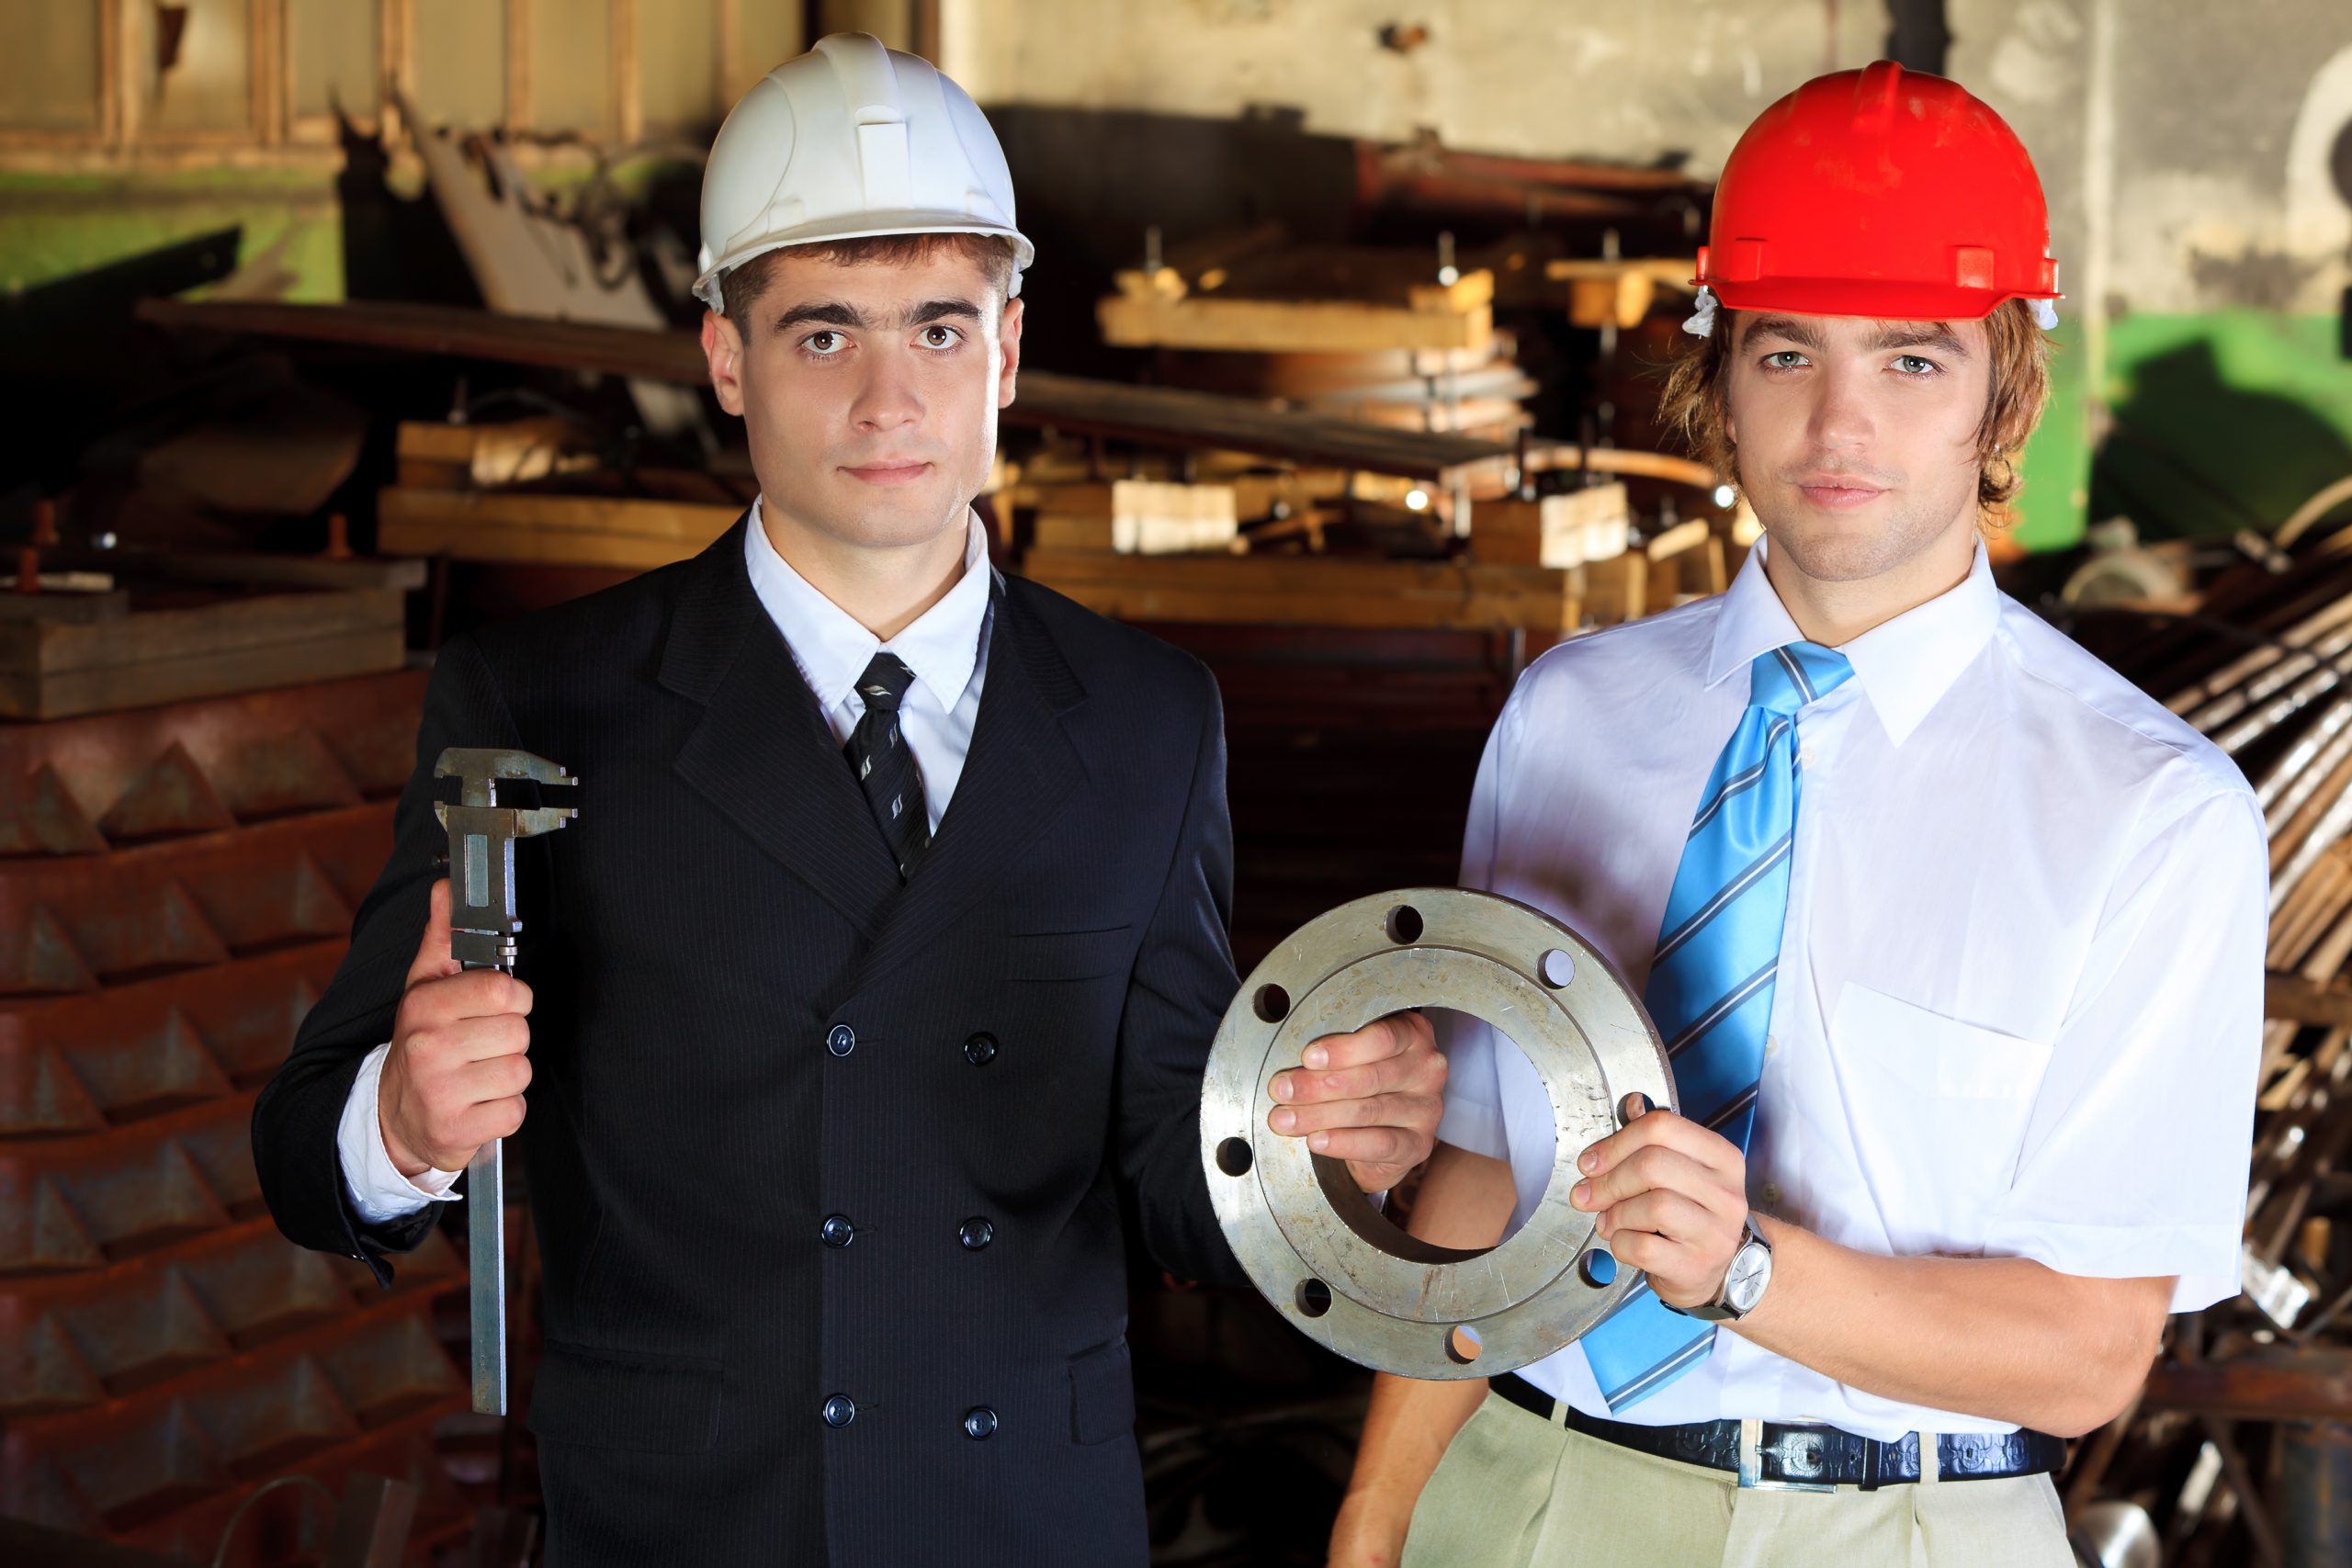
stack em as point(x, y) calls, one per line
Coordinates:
point(1007, 335)
point(722, 349)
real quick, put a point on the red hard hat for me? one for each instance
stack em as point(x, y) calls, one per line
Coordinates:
point(1880, 192)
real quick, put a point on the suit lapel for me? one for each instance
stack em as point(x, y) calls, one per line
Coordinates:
point(1022, 771)
point(763, 754)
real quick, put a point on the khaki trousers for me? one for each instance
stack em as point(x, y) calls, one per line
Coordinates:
point(1515, 1491)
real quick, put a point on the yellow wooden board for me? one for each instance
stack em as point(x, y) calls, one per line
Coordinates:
point(566, 530)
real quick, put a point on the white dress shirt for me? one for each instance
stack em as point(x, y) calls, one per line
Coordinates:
point(946, 646)
point(2019, 1003)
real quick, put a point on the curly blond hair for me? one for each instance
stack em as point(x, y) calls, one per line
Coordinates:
point(1692, 404)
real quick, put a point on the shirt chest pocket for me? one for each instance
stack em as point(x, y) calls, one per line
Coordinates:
point(1939, 1111)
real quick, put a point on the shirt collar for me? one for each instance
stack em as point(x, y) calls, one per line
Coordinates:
point(940, 646)
point(1903, 666)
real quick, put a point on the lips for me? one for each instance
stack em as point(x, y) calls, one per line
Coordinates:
point(1836, 493)
point(888, 472)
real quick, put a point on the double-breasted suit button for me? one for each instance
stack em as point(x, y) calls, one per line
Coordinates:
point(979, 1423)
point(975, 1233)
point(980, 1050)
point(841, 1040)
point(840, 1410)
point(837, 1231)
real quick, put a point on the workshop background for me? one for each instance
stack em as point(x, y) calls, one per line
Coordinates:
point(333, 326)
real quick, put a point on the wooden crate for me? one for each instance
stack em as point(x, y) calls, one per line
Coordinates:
point(1589, 524)
point(1146, 517)
point(60, 669)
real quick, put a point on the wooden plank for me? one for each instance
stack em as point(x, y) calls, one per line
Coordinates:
point(1055, 531)
point(1322, 574)
point(1146, 603)
point(1355, 275)
point(1285, 326)
point(1313, 592)
point(47, 650)
point(2293, 999)
point(690, 524)
point(366, 651)
point(257, 566)
point(525, 545)
point(503, 453)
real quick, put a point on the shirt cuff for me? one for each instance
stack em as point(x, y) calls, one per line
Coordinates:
point(2202, 1260)
point(378, 1191)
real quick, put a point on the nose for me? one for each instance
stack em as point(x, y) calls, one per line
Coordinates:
point(1843, 419)
point(887, 399)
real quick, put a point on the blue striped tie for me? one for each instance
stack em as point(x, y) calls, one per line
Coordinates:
point(1710, 991)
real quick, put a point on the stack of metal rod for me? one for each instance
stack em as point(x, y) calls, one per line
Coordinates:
point(2244, 1433)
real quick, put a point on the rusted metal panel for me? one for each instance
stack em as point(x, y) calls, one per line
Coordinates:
point(294, 1524)
point(79, 786)
point(82, 1203)
point(175, 891)
point(131, 1463)
point(70, 1341)
point(81, 1064)
point(68, 925)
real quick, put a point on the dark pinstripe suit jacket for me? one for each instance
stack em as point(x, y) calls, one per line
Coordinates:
point(1031, 1013)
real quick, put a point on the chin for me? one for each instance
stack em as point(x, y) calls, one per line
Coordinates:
point(910, 519)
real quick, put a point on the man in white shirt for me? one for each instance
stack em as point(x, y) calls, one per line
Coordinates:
point(863, 1016)
point(1967, 1100)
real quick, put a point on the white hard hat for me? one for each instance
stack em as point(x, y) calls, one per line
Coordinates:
point(851, 139)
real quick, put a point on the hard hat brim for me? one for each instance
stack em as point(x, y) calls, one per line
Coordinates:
point(870, 226)
point(1885, 299)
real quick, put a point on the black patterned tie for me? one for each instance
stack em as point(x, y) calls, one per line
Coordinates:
point(886, 763)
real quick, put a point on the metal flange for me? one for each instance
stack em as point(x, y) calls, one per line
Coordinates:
point(1314, 1244)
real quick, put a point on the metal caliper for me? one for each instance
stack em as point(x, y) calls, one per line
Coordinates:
point(482, 928)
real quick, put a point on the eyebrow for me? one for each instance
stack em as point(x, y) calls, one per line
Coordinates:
point(1938, 336)
point(834, 314)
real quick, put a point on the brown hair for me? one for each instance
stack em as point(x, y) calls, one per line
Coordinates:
point(740, 288)
point(1692, 405)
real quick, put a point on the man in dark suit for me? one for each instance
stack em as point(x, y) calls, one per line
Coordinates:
point(878, 976)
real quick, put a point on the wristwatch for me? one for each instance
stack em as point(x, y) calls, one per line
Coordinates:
point(1743, 1281)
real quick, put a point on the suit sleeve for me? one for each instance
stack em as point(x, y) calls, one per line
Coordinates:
point(1177, 994)
point(298, 1115)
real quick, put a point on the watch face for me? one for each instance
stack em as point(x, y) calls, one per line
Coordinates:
point(1751, 1267)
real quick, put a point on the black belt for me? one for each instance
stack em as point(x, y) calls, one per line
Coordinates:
point(1801, 1456)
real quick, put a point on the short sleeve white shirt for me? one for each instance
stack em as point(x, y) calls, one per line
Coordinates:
point(2020, 1004)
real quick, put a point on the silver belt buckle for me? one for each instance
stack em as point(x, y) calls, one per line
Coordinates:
point(1798, 1452)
